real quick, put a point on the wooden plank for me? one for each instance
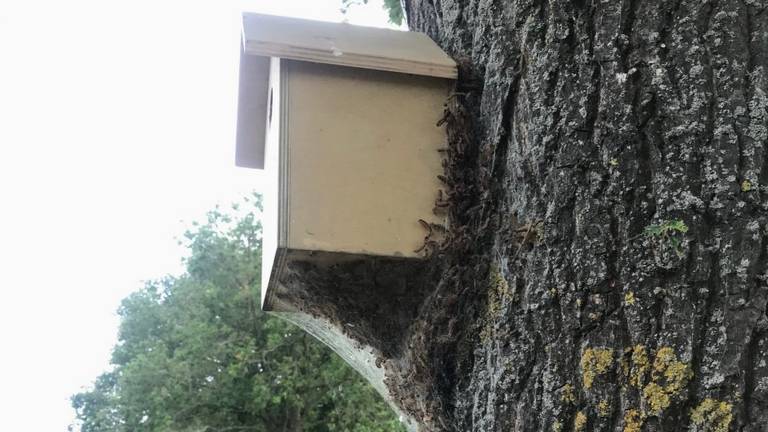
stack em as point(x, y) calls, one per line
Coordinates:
point(275, 217)
point(345, 45)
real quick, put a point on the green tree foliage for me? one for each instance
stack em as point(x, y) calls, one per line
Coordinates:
point(393, 7)
point(195, 353)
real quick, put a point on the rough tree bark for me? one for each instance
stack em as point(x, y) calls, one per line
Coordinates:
point(608, 265)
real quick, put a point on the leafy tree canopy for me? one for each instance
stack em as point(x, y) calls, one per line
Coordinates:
point(393, 7)
point(196, 353)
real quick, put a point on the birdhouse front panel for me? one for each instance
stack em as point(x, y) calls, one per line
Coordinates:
point(363, 160)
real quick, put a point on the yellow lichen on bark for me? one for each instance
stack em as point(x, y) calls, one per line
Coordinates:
point(657, 398)
point(595, 362)
point(633, 421)
point(498, 293)
point(567, 395)
point(668, 378)
point(712, 416)
point(676, 373)
point(640, 365)
point(580, 422)
point(557, 426)
point(629, 298)
point(603, 408)
point(499, 290)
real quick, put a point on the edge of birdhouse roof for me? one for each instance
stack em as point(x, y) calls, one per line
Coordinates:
point(346, 45)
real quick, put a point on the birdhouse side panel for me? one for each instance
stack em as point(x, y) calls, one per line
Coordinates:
point(275, 224)
point(363, 157)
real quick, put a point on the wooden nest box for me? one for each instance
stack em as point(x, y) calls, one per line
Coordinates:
point(342, 119)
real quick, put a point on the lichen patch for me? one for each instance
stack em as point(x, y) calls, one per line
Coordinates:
point(669, 376)
point(595, 362)
point(712, 416)
point(633, 421)
point(580, 422)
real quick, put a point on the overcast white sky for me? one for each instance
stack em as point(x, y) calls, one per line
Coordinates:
point(116, 130)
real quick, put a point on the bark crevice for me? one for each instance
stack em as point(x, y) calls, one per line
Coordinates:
point(581, 125)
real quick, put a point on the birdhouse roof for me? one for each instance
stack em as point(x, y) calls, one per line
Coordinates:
point(266, 36)
point(346, 45)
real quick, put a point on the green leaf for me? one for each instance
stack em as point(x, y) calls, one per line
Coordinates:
point(395, 10)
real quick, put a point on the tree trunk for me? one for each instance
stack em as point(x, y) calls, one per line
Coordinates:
point(608, 265)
